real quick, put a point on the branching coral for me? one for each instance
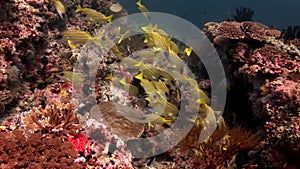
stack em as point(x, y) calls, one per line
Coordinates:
point(219, 150)
point(242, 14)
point(55, 118)
point(35, 151)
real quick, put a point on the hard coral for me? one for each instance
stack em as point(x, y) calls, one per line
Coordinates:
point(35, 151)
point(267, 66)
point(240, 30)
point(57, 117)
point(269, 60)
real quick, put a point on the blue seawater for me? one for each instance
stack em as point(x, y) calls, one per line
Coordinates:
point(280, 13)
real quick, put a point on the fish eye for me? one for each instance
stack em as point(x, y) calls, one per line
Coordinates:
point(137, 57)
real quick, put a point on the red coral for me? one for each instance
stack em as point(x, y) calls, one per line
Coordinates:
point(79, 141)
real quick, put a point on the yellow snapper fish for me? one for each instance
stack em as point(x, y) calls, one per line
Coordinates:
point(72, 77)
point(209, 123)
point(123, 36)
point(159, 121)
point(60, 8)
point(110, 43)
point(174, 47)
point(94, 15)
point(160, 85)
point(121, 83)
point(203, 97)
point(157, 41)
point(160, 104)
point(146, 54)
point(153, 28)
point(175, 62)
point(147, 86)
point(128, 62)
point(143, 9)
point(149, 71)
point(76, 37)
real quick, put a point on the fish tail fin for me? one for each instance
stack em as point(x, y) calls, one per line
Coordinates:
point(72, 46)
point(97, 38)
point(108, 18)
point(139, 3)
point(79, 8)
point(109, 77)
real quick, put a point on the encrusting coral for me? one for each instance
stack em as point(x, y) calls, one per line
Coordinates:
point(35, 151)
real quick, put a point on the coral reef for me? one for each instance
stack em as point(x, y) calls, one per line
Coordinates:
point(266, 68)
point(42, 129)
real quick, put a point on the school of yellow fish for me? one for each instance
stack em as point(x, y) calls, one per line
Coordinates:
point(159, 82)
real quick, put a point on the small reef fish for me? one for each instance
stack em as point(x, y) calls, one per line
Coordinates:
point(122, 83)
point(160, 105)
point(153, 28)
point(157, 41)
point(146, 54)
point(94, 15)
point(209, 123)
point(68, 76)
point(188, 51)
point(175, 61)
point(128, 62)
point(76, 37)
point(123, 36)
point(60, 8)
point(147, 85)
point(160, 85)
point(174, 47)
point(150, 72)
point(143, 9)
point(159, 121)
